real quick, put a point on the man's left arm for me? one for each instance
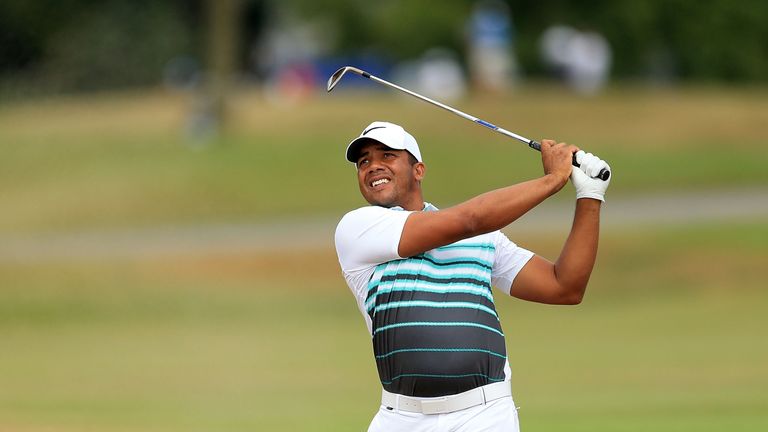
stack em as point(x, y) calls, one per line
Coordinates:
point(565, 280)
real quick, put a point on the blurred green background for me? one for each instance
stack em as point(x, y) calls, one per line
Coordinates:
point(170, 182)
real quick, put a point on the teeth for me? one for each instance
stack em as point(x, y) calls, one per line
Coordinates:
point(380, 181)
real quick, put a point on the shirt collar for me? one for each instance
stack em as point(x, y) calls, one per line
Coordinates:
point(427, 207)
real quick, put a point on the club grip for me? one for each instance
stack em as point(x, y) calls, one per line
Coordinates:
point(603, 175)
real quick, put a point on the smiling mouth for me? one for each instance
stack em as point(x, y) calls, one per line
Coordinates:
point(379, 182)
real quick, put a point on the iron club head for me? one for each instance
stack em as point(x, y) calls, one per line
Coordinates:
point(336, 77)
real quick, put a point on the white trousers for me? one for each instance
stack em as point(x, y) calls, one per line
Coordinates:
point(497, 416)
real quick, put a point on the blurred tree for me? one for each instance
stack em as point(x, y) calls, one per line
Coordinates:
point(115, 44)
point(71, 45)
point(718, 39)
point(401, 29)
point(25, 29)
point(703, 40)
point(224, 32)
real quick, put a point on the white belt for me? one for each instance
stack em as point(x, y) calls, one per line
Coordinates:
point(447, 404)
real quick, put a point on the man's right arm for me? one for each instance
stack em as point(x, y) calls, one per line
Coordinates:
point(490, 211)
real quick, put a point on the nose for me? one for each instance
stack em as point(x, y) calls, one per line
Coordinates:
point(375, 165)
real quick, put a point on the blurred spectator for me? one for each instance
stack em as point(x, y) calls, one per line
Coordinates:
point(183, 72)
point(491, 58)
point(581, 59)
point(662, 66)
point(287, 54)
point(437, 74)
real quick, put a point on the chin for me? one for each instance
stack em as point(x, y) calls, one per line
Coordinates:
point(382, 202)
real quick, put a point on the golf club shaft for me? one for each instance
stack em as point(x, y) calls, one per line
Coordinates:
point(603, 175)
point(453, 110)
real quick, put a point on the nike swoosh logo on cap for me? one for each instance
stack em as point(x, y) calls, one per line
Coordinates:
point(375, 127)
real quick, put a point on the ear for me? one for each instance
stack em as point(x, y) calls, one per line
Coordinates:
point(419, 170)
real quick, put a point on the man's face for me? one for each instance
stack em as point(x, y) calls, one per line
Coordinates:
point(387, 178)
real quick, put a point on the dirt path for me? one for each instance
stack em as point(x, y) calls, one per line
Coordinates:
point(317, 232)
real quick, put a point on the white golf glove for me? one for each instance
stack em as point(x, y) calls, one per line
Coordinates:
point(583, 177)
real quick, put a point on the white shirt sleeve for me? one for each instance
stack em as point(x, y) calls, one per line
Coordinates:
point(369, 236)
point(365, 238)
point(508, 261)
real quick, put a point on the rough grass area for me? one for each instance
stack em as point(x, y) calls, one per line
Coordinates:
point(670, 337)
point(125, 160)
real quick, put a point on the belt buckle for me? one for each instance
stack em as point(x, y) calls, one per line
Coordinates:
point(434, 406)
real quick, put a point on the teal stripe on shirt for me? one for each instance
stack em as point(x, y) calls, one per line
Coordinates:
point(450, 350)
point(437, 324)
point(441, 376)
point(438, 275)
point(447, 276)
point(439, 305)
point(438, 289)
point(468, 246)
point(456, 261)
point(381, 269)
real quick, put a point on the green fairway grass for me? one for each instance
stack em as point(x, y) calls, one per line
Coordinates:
point(670, 337)
point(125, 160)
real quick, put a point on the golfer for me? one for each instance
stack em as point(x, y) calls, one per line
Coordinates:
point(422, 277)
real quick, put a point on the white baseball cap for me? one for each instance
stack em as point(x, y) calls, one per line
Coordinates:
point(389, 134)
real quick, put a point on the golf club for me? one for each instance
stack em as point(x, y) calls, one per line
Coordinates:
point(336, 77)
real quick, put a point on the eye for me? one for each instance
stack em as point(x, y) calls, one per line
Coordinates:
point(362, 162)
point(389, 155)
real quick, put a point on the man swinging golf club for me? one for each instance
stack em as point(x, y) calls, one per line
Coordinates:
point(422, 278)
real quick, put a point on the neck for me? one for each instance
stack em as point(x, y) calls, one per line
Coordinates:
point(415, 203)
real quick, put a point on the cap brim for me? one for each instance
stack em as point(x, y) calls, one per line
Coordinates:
point(353, 149)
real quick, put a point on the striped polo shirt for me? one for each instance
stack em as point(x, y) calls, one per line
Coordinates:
point(432, 318)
